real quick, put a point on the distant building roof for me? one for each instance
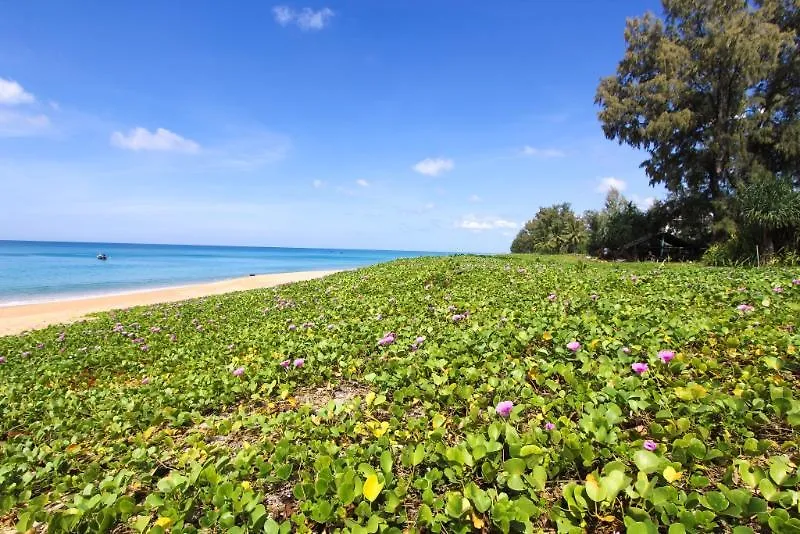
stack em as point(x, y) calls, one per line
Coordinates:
point(665, 237)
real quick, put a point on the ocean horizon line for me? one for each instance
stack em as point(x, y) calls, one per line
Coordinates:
point(271, 247)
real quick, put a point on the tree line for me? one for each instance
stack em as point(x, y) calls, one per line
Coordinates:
point(710, 91)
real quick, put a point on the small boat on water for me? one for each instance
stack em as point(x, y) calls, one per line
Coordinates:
point(102, 257)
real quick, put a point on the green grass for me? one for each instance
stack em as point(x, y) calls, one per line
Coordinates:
point(382, 439)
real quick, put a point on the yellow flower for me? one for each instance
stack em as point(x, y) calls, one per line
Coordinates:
point(547, 336)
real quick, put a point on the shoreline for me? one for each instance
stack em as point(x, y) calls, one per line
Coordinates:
point(19, 318)
point(69, 297)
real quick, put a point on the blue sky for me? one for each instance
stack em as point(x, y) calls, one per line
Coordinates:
point(396, 124)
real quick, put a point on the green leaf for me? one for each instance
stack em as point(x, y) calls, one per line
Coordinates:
point(457, 505)
point(516, 483)
point(614, 482)
point(321, 511)
point(768, 490)
point(593, 489)
point(640, 527)
point(539, 477)
point(386, 462)
point(479, 498)
point(425, 515)
point(647, 461)
point(714, 500)
point(419, 454)
point(528, 450)
point(697, 448)
point(515, 466)
point(778, 469)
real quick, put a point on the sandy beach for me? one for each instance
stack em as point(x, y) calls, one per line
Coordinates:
point(17, 319)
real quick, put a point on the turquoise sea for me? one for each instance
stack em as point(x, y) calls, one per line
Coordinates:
point(36, 271)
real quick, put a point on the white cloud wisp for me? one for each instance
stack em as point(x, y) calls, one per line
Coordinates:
point(161, 140)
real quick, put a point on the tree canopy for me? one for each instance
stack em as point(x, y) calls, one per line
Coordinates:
point(555, 229)
point(711, 93)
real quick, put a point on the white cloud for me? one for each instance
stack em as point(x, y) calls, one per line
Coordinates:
point(318, 184)
point(13, 124)
point(283, 15)
point(643, 203)
point(306, 19)
point(478, 224)
point(434, 166)
point(12, 93)
point(161, 140)
point(362, 183)
point(542, 152)
point(429, 206)
point(475, 198)
point(609, 183)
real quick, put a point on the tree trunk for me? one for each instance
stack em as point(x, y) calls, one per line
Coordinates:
point(767, 244)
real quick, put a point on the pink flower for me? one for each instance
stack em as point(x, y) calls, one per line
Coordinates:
point(639, 368)
point(173, 337)
point(145, 381)
point(2, 359)
point(549, 426)
point(457, 317)
point(626, 350)
point(745, 308)
point(742, 289)
point(417, 343)
point(239, 371)
point(299, 362)
point(292, 328)
point(40, 346)
point(504, 408)
point(144, 348)
point(574, 346)
point(650, 445)
point(387, 339)
point(551, 297)
point(666, 356)
point(777, 289)
point(26, 354)
point(285, 364)
point(593, 297)
point(796, 282)
point(155, 329)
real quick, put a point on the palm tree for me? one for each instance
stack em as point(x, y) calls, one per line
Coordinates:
point(770, 205)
